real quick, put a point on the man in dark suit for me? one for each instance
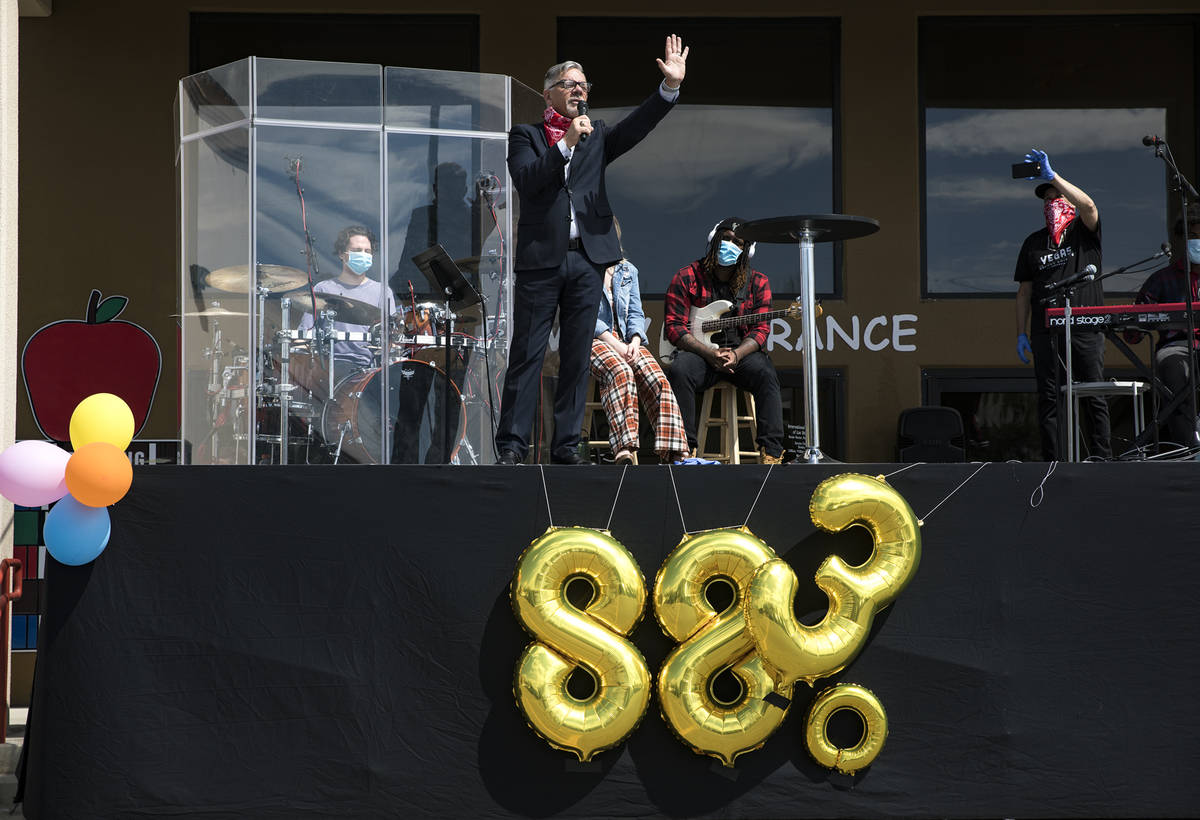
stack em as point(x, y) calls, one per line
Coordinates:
point(565, 240)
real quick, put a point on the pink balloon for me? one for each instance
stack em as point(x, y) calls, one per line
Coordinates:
point(33, 473)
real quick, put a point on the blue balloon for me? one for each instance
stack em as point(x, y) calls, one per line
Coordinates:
point(75, 533)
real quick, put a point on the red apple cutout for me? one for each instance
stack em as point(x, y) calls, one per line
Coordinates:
point(66, 361)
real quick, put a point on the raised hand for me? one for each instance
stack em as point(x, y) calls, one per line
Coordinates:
point(674, 62)
point(1037, 155)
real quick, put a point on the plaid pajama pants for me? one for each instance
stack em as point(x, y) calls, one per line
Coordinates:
point(621, 384)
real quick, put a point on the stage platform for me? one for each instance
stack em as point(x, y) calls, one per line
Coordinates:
point(282, 642)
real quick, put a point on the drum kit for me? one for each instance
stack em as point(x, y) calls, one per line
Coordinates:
point(330, 396)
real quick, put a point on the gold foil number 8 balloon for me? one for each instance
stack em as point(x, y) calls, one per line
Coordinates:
point(591, 640)
point(711, 643)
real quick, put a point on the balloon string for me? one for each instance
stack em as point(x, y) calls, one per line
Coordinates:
point(762, 487)
point(902, 469)
point(952, 492)
point(613, 511)
point(1039, 493)
point(546, 492)
point(678, 505)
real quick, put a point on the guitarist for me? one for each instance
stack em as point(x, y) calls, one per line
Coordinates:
point(724, 273)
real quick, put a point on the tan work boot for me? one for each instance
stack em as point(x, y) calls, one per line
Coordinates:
point(763, 458)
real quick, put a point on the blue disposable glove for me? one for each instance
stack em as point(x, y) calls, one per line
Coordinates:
point(1024, 350)
point(1035, 155)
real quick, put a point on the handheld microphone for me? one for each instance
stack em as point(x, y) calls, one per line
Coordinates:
point(1149, 140)
point(1085, 275)
point(582, 109)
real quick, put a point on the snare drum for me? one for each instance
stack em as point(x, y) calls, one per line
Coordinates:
point(414, 434)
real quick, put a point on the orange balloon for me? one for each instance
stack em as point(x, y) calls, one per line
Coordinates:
point(98, 474)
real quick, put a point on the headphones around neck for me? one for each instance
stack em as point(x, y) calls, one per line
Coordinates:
point(712, 234)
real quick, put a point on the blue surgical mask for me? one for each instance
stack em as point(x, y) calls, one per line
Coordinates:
point(728, 253)
point(1194, 251)
point(359, 261)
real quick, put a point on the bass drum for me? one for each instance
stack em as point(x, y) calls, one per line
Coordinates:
point(416, 395)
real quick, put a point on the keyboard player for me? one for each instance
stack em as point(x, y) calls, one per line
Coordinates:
point(1171, 359)
point(1068, 244)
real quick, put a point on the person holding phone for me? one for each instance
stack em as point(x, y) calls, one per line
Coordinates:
point(1068, 243)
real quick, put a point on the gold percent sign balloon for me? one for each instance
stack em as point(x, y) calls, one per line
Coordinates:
point(592, 638)
point(795, 652)
point(712, 642)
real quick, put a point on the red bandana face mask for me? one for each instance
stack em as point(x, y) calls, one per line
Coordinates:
point(1059, 214)
point(555, 124)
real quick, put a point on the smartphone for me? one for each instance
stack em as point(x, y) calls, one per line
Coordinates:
point(1024, 170)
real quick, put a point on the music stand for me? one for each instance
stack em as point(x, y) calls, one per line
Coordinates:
point(457, 293)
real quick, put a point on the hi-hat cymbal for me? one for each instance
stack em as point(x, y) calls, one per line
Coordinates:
point(274, 278)
point(210, 312)
point(349, 311)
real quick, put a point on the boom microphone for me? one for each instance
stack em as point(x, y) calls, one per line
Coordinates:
point(582, 108)
point(1085, 275)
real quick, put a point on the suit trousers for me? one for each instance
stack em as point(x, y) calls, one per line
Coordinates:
point(574, 289)
point(1087, 365)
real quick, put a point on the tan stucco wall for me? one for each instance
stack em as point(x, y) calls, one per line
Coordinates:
point(98, 80)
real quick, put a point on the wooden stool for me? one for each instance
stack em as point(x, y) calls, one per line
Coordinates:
point(591, 406)
point(728, 425)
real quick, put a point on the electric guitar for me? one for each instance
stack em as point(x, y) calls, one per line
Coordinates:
point(705, 322)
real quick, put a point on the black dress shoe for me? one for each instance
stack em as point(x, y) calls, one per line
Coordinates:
point(570, 457)
point(508, 457)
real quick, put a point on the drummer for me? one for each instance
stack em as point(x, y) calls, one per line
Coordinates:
point(355, 247)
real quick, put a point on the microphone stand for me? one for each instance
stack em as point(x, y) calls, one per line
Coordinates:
point(1068, 291)
point(1179, 182)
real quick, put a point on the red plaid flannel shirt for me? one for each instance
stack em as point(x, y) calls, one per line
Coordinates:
point(689, 288)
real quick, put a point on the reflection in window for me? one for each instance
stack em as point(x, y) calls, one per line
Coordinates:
point(753, 134)
point(701, 164)
point(977, 216)
point(436, 188)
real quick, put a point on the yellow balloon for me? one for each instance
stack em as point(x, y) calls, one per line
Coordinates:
point(102, 417)
point(794, 651)
point(712, 642)
point(875, 727)
point(592, 639)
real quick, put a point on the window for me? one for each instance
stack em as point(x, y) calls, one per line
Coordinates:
point(447, 41)
point(754, 135)
point(999, 411)
point(993, 88)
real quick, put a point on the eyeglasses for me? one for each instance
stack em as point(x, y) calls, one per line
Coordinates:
point(567, 85)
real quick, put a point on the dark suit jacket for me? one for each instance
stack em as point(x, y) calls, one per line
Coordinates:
point(537, 173)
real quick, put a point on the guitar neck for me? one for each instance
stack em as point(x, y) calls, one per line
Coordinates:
point(751, 318)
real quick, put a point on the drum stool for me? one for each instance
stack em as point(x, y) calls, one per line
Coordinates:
point(728, 424)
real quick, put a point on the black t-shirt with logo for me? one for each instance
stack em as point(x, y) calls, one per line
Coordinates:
point(1043, 263)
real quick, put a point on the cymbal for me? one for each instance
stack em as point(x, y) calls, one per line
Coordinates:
point(349, 311)
point(275, 278)
point(821, 227)
point(210, 312)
